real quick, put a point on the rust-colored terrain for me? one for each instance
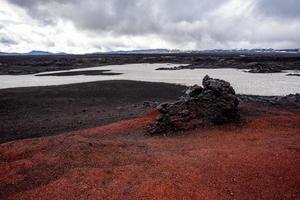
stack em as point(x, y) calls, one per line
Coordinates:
point(257, 159)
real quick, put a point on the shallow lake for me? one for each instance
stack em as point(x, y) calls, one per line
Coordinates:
point(243, 83)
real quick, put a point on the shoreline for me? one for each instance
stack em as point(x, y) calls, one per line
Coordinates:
point(21, 65)
point(39, 111)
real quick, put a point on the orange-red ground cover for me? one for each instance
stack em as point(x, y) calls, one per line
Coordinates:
point(259, 159)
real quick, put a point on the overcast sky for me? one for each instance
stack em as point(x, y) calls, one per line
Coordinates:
point(82, 26)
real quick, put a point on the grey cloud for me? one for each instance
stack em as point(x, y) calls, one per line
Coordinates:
point(135, 17)
point(50, 44)
point(176, 21)
point(279, 8)
point(39, 9)
point(7, 40)
point(120, 15)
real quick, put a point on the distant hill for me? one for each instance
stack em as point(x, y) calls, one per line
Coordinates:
point(40, 53)
point(212, 51)
point(169, 51)
point(7, 54)
point(144, 51)
point(32, 53)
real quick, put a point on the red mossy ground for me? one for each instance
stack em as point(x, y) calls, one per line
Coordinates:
point(259, 159)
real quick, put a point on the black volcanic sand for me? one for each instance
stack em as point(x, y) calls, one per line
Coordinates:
point(17, 65)
point(39, 111)
point(83, 72)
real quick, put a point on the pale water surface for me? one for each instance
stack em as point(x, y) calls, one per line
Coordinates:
point(243, 83)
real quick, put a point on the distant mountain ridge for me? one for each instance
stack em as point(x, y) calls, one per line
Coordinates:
point(168, 51)
point(217, 51)
point(33, 53)
point(144, 51)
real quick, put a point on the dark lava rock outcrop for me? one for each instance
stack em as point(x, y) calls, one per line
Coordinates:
point(292, 100)
point(293, 75)
point(263, 68)
point(214, 103)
